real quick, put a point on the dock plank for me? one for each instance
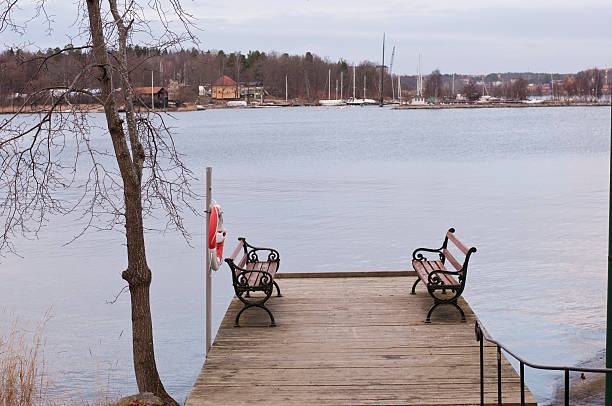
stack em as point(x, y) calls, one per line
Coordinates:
point(350, 341)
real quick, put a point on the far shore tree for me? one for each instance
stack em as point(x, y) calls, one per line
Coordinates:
point(519, 89)
point(36, 165)
point(471, 91)
point(433, 85)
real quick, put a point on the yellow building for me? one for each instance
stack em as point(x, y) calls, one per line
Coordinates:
point(225, 88)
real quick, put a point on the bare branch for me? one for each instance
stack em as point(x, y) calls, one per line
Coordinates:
point(113, 301)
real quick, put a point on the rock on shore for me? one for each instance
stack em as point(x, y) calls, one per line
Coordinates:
point(142, 399)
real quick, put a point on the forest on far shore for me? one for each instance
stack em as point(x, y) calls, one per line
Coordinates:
point(25, 73)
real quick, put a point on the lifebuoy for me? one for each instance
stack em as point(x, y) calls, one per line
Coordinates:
point(216, 237)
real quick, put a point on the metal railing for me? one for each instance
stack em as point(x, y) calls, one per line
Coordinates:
point(482, 335)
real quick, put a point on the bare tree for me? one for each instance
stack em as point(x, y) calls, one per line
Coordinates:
point(43, 155)
point(433, 84)
point(519, 89)
point(470, 91)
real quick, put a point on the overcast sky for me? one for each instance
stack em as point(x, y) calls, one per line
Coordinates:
point(467, 36)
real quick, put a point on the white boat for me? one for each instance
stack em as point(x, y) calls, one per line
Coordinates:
point(353, 101)
point(236, 103)
point(330, 101)
point(200, 107)
point(533, 101)
point(361, 102)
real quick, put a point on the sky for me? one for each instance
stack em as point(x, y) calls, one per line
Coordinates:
point(467, 36)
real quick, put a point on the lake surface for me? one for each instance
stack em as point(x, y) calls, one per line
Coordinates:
point(349, 189)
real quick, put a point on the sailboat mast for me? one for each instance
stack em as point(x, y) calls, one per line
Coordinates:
point(552, 87)
point(418, 77)
point(399, 88)
point(329, 84)
point(341, 72)
point(354, 82)
point(286, 92)
point(336, 89)
point(382, 73)
point(364, 87)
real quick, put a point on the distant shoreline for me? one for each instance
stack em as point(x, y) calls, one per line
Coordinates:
point(93, 108)
point(499, 105)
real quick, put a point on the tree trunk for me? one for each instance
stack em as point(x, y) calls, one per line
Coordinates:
point(137, 274)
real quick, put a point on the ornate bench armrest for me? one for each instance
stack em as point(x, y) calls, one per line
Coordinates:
point(273, 255)
point(434, 279)
point(243, 278)
point(417, 256)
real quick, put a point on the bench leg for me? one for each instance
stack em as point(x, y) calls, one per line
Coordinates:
point(414, 286)
point(428, 319)
point(460, 311)
point(278, 294)
point(237, 320)
point(436, 304)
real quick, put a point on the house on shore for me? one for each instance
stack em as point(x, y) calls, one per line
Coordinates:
point(225, 88)
point(252, 91)
point(160, 96)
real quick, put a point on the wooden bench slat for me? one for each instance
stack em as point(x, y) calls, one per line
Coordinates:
point(439, 265)
point(237, 251)
point(449, 280)
point(242, 261)
point(260, 267)
point(458, 244)
point(420, 269)
point(273, 268)
point(254, 276)
point(424, 268)
point(451, 259)
point(251, 276)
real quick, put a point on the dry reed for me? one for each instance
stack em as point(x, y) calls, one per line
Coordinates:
point(23, 378)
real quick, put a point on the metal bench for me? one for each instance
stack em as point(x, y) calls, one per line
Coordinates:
point(437, 278)
point(251, 275)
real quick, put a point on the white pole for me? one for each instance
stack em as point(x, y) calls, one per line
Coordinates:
point(353, 81)
point(286, 91)
point(208, 269)
point(341, 84)
point(552, 87)
point(399, 88)
point(152, 102)
point(336, 89)
point(364, 83)
point(329, 84)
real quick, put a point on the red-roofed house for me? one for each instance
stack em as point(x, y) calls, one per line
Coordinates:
point(225, 88)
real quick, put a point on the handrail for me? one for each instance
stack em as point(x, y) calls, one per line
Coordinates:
point(482, 334)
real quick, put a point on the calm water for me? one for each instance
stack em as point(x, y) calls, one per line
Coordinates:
point(350, 189)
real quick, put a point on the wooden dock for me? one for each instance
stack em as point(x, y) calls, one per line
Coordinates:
point(352, 339)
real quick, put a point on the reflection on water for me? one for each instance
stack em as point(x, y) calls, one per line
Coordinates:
point(351, 189)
